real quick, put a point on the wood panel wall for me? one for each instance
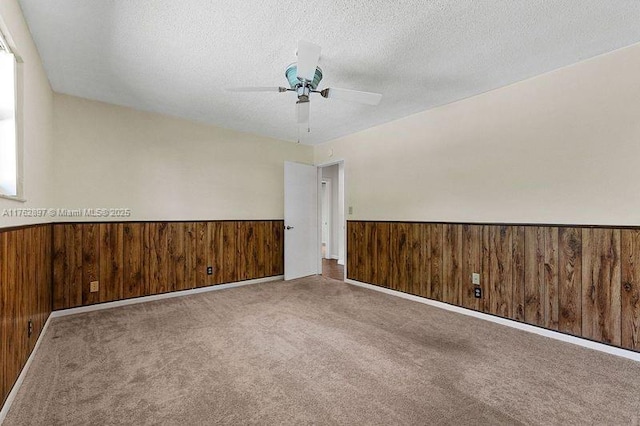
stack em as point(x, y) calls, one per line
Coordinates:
point(135, 259)
point(583, 281)
point(25, 295)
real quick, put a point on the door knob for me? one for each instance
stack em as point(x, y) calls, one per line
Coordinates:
point(288, 227)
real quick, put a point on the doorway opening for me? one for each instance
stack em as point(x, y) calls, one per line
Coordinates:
point(332, 220)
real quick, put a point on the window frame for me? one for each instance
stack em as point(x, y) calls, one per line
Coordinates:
point(9, 46)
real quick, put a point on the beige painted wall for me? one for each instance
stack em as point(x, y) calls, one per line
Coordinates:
point(563, 147)
point(37, 101)
point(164, 168)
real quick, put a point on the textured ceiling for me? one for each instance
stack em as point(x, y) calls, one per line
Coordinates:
point(176, 57)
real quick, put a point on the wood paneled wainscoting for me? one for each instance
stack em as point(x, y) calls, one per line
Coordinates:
point(579, 280)
point(51, 266)
point(25, 296)
point(132, 259)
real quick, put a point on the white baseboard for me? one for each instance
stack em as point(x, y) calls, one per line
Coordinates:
point(23, 374)
point(144, 299)
point(635, 356)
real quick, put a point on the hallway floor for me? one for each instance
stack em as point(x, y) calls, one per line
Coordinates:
point(331, 269)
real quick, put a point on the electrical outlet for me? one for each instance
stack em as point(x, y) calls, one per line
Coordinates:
point(94, 286)
point(350, 210)
point(477, 292)
point(209, 270)
point(475, 278)
point(30, 328)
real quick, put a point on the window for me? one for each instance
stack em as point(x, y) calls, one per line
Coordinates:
point(8, 141)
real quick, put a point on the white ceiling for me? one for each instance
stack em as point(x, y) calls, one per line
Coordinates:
point(176, 57)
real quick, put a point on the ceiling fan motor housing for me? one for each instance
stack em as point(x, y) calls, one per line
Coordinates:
point(292, 76)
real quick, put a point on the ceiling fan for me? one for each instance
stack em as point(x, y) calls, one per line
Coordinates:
point(304, 77)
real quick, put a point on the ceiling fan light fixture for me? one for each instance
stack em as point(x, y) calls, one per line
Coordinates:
point(304, 77)
point(292, 77)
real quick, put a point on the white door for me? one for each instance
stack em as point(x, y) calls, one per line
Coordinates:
point(300, 220)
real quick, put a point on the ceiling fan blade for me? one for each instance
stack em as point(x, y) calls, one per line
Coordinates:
point(308, 57)
point(303, 112)
point(368, 98)
point(256, 89)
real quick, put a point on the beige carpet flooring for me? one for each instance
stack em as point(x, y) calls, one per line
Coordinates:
point(313, 351)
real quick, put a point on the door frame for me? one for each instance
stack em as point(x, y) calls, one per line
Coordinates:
point(329, 187)
point(319, 166)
